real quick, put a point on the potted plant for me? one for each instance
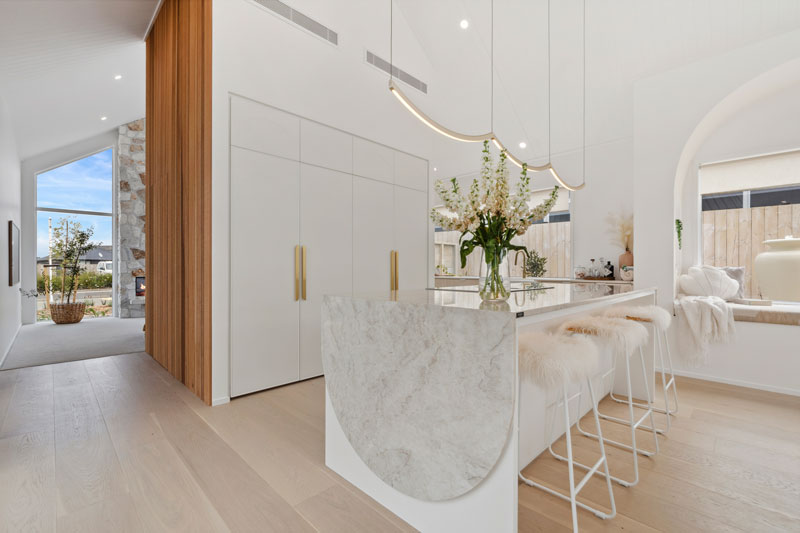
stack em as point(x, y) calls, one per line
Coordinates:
point(69, 243)
point(490, 217)
point(534, 265)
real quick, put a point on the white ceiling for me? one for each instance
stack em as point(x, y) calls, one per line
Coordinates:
point(58, 59)
point(626, 41)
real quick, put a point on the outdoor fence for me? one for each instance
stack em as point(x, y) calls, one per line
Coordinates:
point(734, 237)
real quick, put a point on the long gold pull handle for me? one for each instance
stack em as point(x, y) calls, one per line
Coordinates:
point(304, 272)
point(392, 266)
point(396, 270)
point(296, 272)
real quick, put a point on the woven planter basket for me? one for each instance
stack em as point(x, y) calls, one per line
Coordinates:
point(71, 313)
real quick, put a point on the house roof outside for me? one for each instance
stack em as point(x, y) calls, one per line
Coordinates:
point(104, 252)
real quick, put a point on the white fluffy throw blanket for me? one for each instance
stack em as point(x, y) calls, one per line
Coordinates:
point(708, 319)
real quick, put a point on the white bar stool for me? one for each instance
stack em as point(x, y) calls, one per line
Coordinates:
point(660, 319)
point(625, 337)
point(557, 361)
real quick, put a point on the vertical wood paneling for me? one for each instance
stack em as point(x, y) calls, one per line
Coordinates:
point(745, 252)
point(771, 222)
point(720, 238)
point(178, 191)
point(567, 250)
point(756, 239)
point(784, 221)
point(732, 231)
point(553, 236)
point(552, 241)
point(796, 220)
point(708, 237)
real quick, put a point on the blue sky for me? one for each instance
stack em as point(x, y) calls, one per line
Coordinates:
point(85, 185)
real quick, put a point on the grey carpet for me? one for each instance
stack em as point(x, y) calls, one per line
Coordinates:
point(45, 343)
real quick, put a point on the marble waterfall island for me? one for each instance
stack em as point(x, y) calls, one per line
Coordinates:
point(423, 398)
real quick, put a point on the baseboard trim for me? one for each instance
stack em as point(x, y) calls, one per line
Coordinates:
point(8, 349)
point(737, 382)
point(220, 401)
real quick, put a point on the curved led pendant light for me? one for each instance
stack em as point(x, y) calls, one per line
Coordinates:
point(447, 132)
point(432, 124)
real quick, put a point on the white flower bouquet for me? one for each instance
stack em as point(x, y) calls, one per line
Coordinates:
point(490, 217)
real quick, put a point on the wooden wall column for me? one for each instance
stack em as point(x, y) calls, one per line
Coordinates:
point(178, 230)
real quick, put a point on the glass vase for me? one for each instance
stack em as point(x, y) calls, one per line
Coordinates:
point(494, 287)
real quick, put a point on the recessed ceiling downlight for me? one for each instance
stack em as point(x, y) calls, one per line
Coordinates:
point(103, 118)
point(523, 145)
point(118, 77)
point(464, 24)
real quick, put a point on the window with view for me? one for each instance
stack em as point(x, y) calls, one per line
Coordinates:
point(78, 194)
point(744, 203)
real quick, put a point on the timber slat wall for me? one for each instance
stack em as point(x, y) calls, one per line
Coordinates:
point(734, 237)
point(178, 310)
point(550, 240)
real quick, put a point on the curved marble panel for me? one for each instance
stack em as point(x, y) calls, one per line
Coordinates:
point(424, 393)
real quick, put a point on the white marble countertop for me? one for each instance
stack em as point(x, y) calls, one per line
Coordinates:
point(545, 280)
point(525, 303)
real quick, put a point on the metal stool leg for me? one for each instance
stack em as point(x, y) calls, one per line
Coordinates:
point(671, 382)
point(571, 464)
point(631, 422)
point(658, 333)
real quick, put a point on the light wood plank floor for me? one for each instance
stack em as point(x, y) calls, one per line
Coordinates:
point(116, 444)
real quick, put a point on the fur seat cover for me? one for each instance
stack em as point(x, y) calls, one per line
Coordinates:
point(553, 360)
point(647, 313)
point(621, 333)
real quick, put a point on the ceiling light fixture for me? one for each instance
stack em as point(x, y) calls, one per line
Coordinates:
point(438, 128)
point(464, 24)
point(435, 169)
point(118, 77)
point(103, 118)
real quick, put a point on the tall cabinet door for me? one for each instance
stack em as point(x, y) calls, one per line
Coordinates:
point(265, 321)
point(373, 232)
point(326, 230)
point(411, 238)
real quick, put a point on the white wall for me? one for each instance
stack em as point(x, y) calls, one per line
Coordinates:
point(31, 167)
point(769, 125)
point(762, 356)
point(669, 112)
point(10, 201)
point(261, 56)
point(635, 131)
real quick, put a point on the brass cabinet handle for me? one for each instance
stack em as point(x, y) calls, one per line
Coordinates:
point(396, 270)
point(304, 272)
point(391, 270)
point(296, 272)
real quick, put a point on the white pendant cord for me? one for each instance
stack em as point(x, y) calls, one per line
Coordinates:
point(428, 121)
point(491, 69)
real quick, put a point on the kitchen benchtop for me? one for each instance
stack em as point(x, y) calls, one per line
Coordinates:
point(551, 297)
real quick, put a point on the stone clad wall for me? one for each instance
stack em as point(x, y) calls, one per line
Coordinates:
point(131, 217)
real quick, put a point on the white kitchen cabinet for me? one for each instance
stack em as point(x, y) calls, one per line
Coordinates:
point(411, 221)
point(326, 231)
point(348, 202)
point(373, 160)
point(265, 129)
point(325, 147)
point(373, 234)
point(265, 325)
point(410, 171)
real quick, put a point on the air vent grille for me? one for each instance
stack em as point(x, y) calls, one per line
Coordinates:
point(401, 75)
point(305, 22)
